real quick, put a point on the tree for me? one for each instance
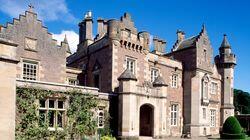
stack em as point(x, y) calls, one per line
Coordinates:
point(242, 101)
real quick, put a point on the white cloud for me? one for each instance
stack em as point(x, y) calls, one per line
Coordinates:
point(47, 10)
point(73, 39)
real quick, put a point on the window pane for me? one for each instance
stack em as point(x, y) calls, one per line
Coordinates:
point(42, 103)
point(60, 104)
point(96, 80)
point(51, 103)
point(29, 71)
point(174, 114)
point(60, 119)
point(42, 114)
point(51, 118)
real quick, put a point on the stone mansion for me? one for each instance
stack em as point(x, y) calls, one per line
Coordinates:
point(187, 91)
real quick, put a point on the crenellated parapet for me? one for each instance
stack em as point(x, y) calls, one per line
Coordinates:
point(225, 60)
point(124, 31)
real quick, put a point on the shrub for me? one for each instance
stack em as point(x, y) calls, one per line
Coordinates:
point(232, 129)
point(108, 138)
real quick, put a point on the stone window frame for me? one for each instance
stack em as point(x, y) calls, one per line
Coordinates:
point(56, 109)
point(25, 43)
point(132, 59)
point(174, 119)
point(31, 62)
point(100, 117)
point(174, 83)
point(213, 117)
point(152, 78)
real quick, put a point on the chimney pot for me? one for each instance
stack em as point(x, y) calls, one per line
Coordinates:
point(180, 35)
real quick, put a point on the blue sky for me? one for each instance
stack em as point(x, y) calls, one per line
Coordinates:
point(160, 17)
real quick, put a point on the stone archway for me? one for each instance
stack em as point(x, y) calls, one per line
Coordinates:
point(146, 120)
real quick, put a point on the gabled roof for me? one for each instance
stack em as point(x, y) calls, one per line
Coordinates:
point(189, 42)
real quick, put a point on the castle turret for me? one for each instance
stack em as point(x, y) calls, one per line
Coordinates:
point(226, 62)
point(85, 30)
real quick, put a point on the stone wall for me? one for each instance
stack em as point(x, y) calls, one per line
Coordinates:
point(8, 63)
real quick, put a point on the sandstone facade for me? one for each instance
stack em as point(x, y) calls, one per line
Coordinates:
point(147, 92)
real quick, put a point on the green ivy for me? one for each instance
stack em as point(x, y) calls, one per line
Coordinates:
point(80, 115)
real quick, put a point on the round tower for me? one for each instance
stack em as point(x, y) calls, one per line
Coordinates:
point(226, 62)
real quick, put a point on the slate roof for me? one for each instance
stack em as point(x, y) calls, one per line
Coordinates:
point(225, 42)
point(189, 42)
point(159, 81)
point(127, 75)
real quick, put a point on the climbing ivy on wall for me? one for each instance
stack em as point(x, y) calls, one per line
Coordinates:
point(80, 115)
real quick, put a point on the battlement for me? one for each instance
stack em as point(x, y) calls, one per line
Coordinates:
point(125, 31)
point(122, 29)
point(226, 60)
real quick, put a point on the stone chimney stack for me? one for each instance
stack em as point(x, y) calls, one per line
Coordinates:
point(180, 35)
point(156, 43)
point(85, 28)
point(100, 26)
point(159, 45)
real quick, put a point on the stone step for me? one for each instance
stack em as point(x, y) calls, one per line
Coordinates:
point(145, 138)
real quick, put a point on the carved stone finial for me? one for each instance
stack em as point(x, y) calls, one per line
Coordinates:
point(31, 8)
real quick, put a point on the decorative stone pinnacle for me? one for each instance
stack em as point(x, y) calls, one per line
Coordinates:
point(203, 27)
point(65, 39)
